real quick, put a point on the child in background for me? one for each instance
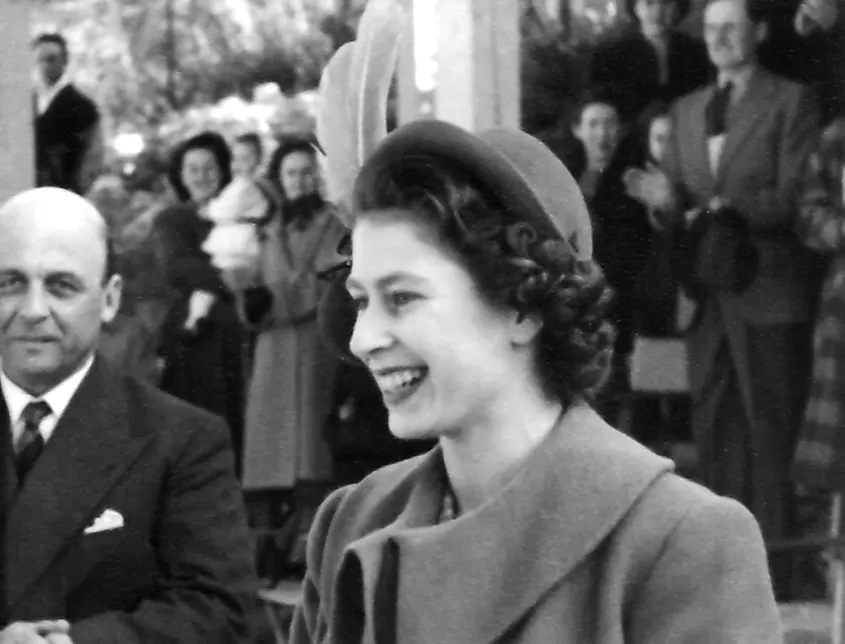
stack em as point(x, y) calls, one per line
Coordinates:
point(247, 153)
point(234, 244)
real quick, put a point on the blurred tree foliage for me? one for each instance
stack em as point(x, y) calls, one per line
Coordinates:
point(140, 71)
point(122, 50)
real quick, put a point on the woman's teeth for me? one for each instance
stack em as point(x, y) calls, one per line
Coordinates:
point(396, 381)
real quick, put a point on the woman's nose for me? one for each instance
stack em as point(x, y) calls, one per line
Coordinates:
point(369, 335)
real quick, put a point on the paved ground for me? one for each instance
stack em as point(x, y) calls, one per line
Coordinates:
point(806, 623)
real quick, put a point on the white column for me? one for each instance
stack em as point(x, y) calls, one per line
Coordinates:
point(17, 155)
point(477, 79)
point(469, 50)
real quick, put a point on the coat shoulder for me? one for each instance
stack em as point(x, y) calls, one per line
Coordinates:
point(681, 510)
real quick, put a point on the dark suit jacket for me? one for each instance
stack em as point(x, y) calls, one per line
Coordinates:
point(181, 567)
point(62, 138)
point(629, 68)
point(773, 129)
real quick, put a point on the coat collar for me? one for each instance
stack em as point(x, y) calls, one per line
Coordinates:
point(477, 575)
point(94, 442)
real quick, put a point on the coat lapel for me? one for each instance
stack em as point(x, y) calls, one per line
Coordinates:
point(8, 477)
point(91, 447)
point(566, 499)
point(697, 148)
point(750, 109)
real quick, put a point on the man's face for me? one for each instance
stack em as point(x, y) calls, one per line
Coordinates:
point(656, 16)
point(53, 295)
point(51, 62)
point(732, 39)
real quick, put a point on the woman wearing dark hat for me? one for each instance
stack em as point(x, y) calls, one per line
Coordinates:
point(479, 311)
point(472, 298)
point(203, 343)
point(292, 376)
point(655, 61)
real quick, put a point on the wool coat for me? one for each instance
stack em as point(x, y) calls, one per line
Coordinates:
point(291, 389)
point(595, 540)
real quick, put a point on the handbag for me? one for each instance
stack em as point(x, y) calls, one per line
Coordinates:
point(659, 365)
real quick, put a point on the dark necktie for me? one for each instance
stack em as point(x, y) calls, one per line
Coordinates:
point(31, 442)
point(717, 111)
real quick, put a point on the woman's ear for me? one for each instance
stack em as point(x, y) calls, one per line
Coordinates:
point(524, 328)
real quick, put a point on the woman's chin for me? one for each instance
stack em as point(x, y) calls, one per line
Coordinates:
point(410, 429)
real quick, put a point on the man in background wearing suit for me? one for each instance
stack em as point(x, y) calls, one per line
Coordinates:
point(120, 515)
point(68, 139)
point(741, 145)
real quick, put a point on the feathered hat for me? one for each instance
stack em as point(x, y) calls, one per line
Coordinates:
point(520, 171)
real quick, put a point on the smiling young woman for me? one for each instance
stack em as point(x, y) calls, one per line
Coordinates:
point(473, 299)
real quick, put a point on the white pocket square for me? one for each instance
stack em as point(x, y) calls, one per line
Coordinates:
point(108, 520)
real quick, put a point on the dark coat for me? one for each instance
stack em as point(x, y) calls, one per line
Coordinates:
point(817, 59)
point(622, 236)
point(180, 568)
point(628, 67)
point(61, 138)
point(594, 540)
point(206, 367)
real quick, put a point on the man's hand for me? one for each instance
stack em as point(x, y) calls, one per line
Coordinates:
point(240, 278)
point(35, 632)
point(59, 638)
point(199, 306)
point(650, 186)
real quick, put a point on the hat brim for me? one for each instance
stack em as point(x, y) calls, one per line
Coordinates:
point(464, 152)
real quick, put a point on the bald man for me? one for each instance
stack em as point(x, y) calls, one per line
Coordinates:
point(120, 515)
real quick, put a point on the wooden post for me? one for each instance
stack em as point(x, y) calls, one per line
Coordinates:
point(17, 153)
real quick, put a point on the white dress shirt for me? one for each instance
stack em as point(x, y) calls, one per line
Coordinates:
point(739, 82)
point(58, 398)
point(44, 94)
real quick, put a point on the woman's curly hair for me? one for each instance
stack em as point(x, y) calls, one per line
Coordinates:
point(510, 264)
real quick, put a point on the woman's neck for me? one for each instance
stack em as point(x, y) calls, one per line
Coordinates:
point(480, 462)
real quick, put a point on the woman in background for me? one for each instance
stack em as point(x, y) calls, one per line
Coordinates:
point(291, 390)
point(204, 342)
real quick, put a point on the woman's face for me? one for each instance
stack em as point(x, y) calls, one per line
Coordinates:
point(658, 137)
point(441, 356)
point(201, 175)
point(297, 174)
point(599, 130)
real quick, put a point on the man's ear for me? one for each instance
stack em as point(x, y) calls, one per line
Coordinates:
point(112, 292)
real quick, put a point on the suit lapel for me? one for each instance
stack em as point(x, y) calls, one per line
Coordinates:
point(8, 477)
point(697, 142)
point(557, 510)
point(750, 109)
point(91, 447)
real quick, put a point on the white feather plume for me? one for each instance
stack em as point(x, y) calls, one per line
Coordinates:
point(352, 120)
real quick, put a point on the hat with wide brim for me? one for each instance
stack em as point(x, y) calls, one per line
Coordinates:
point(683, 7)
point(514, 168)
